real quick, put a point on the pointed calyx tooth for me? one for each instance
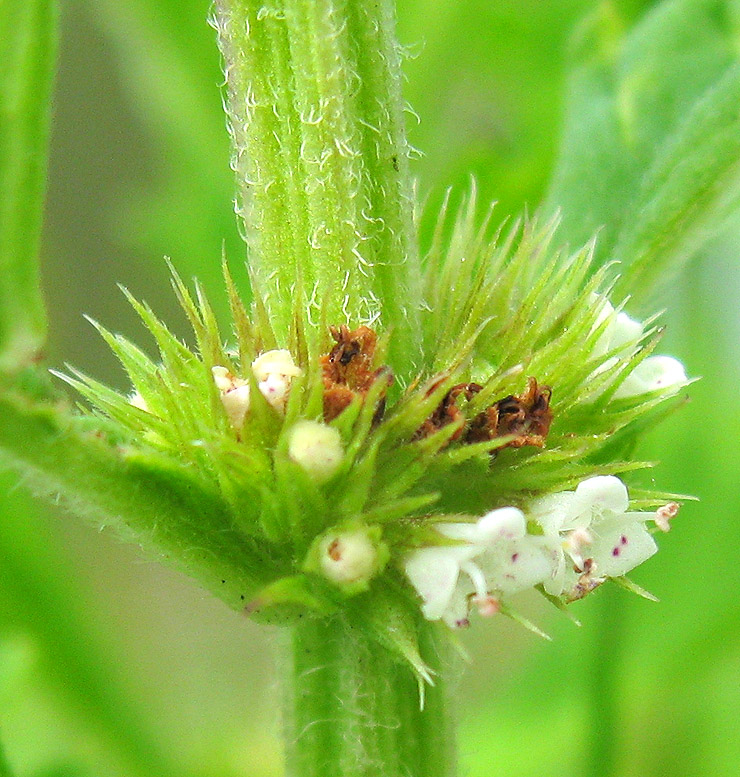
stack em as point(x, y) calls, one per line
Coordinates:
point(526, 417)
point(136, 400)
point(348, 370)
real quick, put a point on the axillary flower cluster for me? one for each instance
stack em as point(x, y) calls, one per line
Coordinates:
point(382, 495)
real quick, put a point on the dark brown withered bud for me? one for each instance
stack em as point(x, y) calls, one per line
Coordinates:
point(447, 411)
point(527, 417)
point(348, 370)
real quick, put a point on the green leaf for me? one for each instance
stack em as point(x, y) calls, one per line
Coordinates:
point(41, 596)
point(27, 54)
point(165, 507)
point(4, 767)
point(291, 598)
point(650, 149)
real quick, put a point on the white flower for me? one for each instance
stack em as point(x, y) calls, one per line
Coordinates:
point(622, 334)
point(317, 448)
point(234, 395)
point(591, 532)
point(651, 374)
point(274, 371)
point(495, 557)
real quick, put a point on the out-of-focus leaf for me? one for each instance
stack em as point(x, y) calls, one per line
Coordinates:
point(4, 767)
point(40, 597)
point(27, 54)
point(169, 62)
point(690, 190)
point(650, 147)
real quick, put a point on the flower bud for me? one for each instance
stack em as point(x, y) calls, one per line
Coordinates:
point(236, 404)
point(234, 395)
point(274, 371)
point(317, 448)
point(349, 557)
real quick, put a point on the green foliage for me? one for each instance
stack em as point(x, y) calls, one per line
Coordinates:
point(163, 505)
point(4, 768)
point(44, 603)
point(650, 153)
point(27, 53)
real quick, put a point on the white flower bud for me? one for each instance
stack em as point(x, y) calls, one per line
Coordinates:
point(274, 371)
point(664, 515)
point(275, 390)
point(223, 379)
point(348, 557)
point(317, 448)
point(622, 334)
point(236, 404)
point(234, 395)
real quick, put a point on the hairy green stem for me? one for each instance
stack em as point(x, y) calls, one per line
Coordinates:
point(351, 710)
point(28, 37)
point(320, 153)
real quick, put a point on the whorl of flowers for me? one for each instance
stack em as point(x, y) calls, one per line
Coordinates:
point(384, 494)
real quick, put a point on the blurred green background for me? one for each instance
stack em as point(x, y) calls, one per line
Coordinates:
point(112, 665)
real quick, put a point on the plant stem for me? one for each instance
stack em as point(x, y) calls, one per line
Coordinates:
point(28, 35)
point(324, 194)
point(352, 711)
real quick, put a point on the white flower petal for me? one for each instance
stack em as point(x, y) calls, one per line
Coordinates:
point(458, 606)
point(236, 404)
point(620, 546)
point(434, 573)
point(504, 523)
point(553, 511)
point(601, 494)
point(516, 565)
point(274, 389)
point(276, 362)
point(652, 374)
point(624, 331)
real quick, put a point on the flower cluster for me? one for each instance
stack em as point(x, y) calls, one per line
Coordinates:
point(580, 539)
point(345, 475)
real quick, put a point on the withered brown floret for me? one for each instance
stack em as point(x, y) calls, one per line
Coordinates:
point(348, 370)
point(526, 417)
point(447, 411)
